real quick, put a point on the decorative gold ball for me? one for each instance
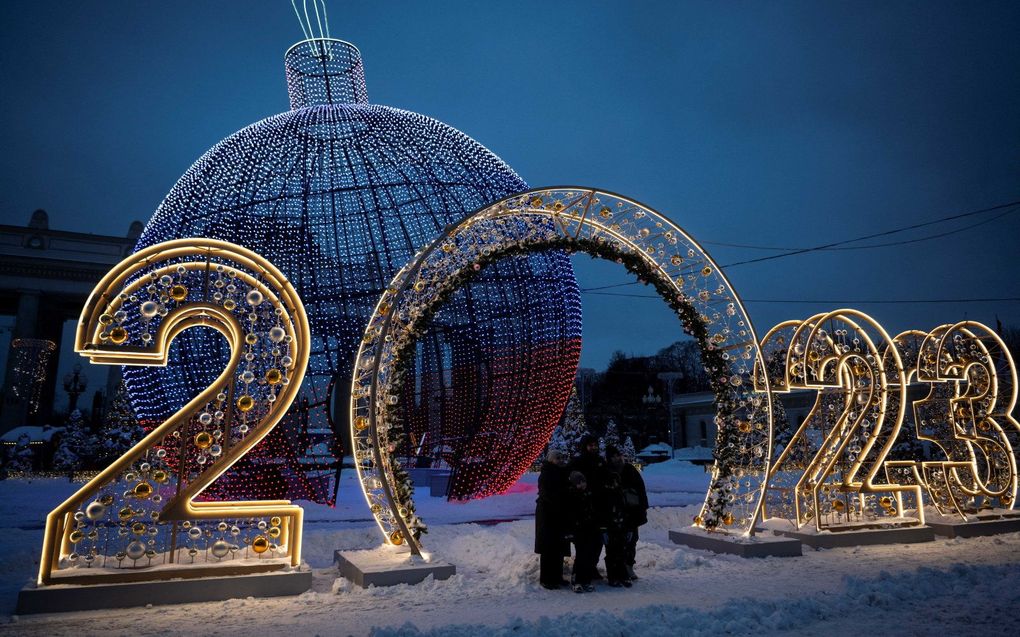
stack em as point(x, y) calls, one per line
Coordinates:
point(75, 536)
point(275, 520)
point(229, 304)
point(838, 505)
point(697, 520)
point(273, 532)
point(245, 403)
point(178, 292)
point(138, 528)
point(260, 544)
point(727, 518)
point(885, 502)
point(376, 509)
point(744, 427)
point(106, 500)
point(118, 335)
point(126, 513)
point(396, 538)
point(273, 376)
point(203, 440)
point(105, 319)
point(160, 476)
point(143, 490)
point(251, 339)
point(361, 423)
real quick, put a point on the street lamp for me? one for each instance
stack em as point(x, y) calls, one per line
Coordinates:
point(668, 378)
point(75, 385)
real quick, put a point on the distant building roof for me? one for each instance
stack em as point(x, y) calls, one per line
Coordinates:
point(44, 433)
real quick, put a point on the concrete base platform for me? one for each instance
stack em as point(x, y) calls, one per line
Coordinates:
point(863, 537)
point(975, 528)
point(764, 545)
point(385, 567)
point(59, 598)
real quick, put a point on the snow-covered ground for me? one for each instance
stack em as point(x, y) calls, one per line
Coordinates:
point(949, 586)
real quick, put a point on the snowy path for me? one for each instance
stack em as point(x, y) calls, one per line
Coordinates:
point(681, 591)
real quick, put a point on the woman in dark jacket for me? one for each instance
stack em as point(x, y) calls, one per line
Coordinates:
point(635, 501)
point(551, 525)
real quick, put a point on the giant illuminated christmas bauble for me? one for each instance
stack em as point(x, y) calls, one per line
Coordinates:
point(339, 193)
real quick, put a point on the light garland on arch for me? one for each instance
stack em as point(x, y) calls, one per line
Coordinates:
point(603, 225)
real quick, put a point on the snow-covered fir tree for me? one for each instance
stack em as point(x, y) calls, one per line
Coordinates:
point(611, 439)
point(782, 432)
point(566, 438)
point(19, 456)
point(628, 450)
point(78, 446)
point(120, 430)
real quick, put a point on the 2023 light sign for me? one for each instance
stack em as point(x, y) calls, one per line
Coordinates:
point(138, 519)
point(834, 471)
point(141, 511)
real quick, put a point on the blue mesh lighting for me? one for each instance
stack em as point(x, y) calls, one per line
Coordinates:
point(339, 194)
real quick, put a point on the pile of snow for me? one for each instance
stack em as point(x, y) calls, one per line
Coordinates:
point(959, 586)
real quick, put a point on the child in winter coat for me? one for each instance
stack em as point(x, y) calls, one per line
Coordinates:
point(583, 532)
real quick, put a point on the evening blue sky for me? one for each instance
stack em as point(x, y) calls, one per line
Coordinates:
point(778, 124)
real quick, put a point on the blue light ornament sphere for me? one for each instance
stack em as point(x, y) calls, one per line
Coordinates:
point(339, 194)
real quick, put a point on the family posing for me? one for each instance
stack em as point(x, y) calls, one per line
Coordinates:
point(592, 503)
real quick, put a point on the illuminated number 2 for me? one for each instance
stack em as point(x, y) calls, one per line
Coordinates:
point(826, 473)
point(140, 512)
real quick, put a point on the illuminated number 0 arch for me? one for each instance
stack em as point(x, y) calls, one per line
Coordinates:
point(138, 519)
point(603, 225)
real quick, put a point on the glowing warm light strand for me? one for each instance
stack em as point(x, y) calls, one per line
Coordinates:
point(138, 518)
point(576, 219)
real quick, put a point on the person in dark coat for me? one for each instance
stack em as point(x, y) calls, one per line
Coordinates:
point(591, 464)
point(551, 523)
point(583, 532)
point(635, 501)
point(612, 514)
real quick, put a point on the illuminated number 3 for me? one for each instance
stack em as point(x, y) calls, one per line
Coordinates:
point(140, 512)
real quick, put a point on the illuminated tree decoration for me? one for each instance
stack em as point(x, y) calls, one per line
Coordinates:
point(831, 474)
point(31, 360)
point(574, 219)
point(339, 193)
point(138, 518)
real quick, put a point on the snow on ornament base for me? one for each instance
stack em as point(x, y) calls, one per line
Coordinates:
point(389, 566)
point(989, 522)
point(860, 534)
point(57, 598)
point(762, 545)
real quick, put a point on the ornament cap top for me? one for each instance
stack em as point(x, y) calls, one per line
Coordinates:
point(324, 71)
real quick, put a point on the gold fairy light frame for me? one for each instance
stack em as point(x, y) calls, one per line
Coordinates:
point(851, 362)
point(131, 318)
point(967, 415)
point(603, 225)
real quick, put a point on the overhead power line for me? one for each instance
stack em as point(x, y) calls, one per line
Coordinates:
point(826, 302)
point(1007, 208)
point(884, 233)
point(939, 235)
